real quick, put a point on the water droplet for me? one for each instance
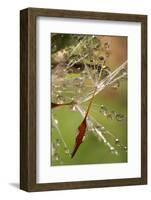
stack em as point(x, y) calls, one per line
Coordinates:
point(56, 121)
point(102, 128)
point(56, 157)
point(119, 117)
point(108, 143)
point(117, 142)
point(77, 82)
point(59, 91)
point(109, 115)
point(123, 72)
point(58, 142)
point(101, 58)
point(78, 69)
point(66, 150)
point(60, 98)
point(112, 148)
point(116, 85)
point(103, 110)
point(113, 113)
point(73, 108)
point(125, 148)
point(105, 141)
point(116, 152)
point(91, 128)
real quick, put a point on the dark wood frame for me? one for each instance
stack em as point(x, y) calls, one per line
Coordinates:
point(28, 98)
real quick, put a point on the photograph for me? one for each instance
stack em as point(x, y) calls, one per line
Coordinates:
point(89, 91)
point(83, 99)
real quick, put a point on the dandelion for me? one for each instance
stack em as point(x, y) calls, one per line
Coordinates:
point(76, 82)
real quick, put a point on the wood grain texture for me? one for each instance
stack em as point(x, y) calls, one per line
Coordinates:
point(27, 101)
point(28, 98)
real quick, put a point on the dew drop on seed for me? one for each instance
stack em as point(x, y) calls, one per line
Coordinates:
point(60, 99)
point(123, 72)
point(119, 117)
point(112, 148)
point(105, 141)
point(116, 153)
point(77, 82)
point(102, 128)
point(116, 85)
point(103, 110)
point(109, 115)
point(117, 142)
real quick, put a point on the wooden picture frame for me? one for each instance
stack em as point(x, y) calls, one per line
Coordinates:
point(28, 98)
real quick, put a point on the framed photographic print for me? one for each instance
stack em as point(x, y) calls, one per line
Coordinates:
point(83, 93)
